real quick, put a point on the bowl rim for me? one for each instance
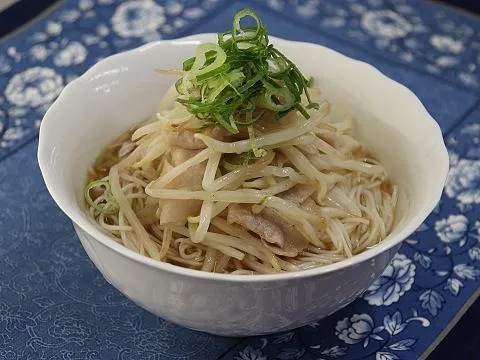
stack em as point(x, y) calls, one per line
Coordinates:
point(107, 240)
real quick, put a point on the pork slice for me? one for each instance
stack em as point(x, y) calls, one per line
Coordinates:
point(190, 179)
point(294, 243)
point(281, 237)
point(267, 230)
point(177, 211)
point(298, 194)
point(310, 205)
point(179, 155)
point(186, 139)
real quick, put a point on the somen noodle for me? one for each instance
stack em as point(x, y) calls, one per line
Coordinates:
point(259, 186)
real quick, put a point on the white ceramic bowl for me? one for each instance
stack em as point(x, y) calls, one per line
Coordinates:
point(123, 89)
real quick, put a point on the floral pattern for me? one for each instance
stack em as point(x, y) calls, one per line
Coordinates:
point(385, 24)
point(452, 229)
point(34, 87)
point(73, 53)
point(463, 182)
point(54, 304)
point(358, 328)
point(137, 18)
point(395, 281)
point(406, 32)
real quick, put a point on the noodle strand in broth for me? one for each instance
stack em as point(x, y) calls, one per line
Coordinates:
point(306, 202)
point(241, 170)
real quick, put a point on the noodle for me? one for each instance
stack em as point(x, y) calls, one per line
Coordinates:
point(303, 195)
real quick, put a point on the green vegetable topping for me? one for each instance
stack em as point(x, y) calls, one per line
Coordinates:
point(233, 82)
point(107, 204)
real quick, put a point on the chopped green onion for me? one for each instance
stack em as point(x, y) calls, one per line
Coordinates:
point(258, 152)
point(310, 82)
point(247, 157)
point(277, 99)
point(263, 201)
point(108, 205)
point(199, 66)
point(240, 34)
point(225, 83)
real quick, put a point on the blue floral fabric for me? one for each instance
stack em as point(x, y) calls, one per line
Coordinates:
point(55, 305)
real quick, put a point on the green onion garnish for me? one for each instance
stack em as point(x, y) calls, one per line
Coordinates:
point(225, 83)
point(108, 205)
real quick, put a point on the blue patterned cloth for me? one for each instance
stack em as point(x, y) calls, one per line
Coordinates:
point(55, 305)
